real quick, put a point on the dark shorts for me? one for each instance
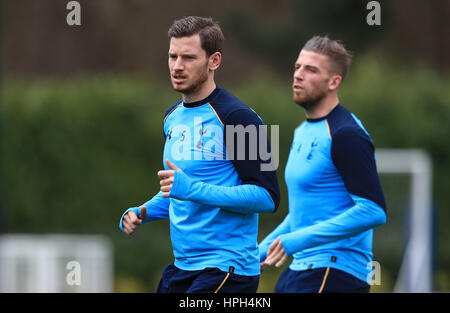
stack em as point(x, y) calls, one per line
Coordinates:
point(208, 280)
point(320, 280)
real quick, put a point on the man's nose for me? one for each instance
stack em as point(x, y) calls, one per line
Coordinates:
point(178, 65)
point(298, 74)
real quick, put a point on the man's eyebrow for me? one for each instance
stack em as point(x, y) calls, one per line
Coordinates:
point(191, 55)
point(309, 66)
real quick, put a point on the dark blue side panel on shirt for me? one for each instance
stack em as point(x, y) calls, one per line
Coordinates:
point(353, 154)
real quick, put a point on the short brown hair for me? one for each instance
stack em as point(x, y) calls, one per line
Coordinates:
point(334, 49)
point(211, 36)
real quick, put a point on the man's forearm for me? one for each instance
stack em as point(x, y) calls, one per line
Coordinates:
point(243, 199)
point(157, 208)
point(364, 215)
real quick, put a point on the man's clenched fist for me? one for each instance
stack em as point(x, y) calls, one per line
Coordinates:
point(131, 220)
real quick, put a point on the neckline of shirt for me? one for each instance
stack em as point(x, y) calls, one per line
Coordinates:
point(203, 101)
point(315, 120)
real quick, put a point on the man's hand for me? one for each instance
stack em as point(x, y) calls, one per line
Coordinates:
point(276, 255)
point(131, 221)
point(166, 178)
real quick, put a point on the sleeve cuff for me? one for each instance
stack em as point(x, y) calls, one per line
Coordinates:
point(181, 186)
point(285, 242)
point(135, 210)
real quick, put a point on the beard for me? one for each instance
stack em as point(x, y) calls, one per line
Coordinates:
point(309, 100)
point(193, 86)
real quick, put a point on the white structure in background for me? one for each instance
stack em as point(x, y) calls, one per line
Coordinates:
point(415, 271)
point(55, 263)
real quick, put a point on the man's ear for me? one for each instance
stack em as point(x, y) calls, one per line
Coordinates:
point(334, 82)
point(214, 61)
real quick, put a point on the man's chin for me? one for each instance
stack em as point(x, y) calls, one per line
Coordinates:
point(306, 104)
point(180, 88)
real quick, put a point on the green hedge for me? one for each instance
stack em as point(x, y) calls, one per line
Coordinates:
point(76, 153)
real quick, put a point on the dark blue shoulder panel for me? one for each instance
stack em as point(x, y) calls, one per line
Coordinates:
point(353, 154)
point(170, 110)
point(231, 111)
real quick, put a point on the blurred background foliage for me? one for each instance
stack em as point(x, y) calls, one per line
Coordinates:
point(82, 107)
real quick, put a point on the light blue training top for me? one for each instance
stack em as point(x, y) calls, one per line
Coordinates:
point(335, 196)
